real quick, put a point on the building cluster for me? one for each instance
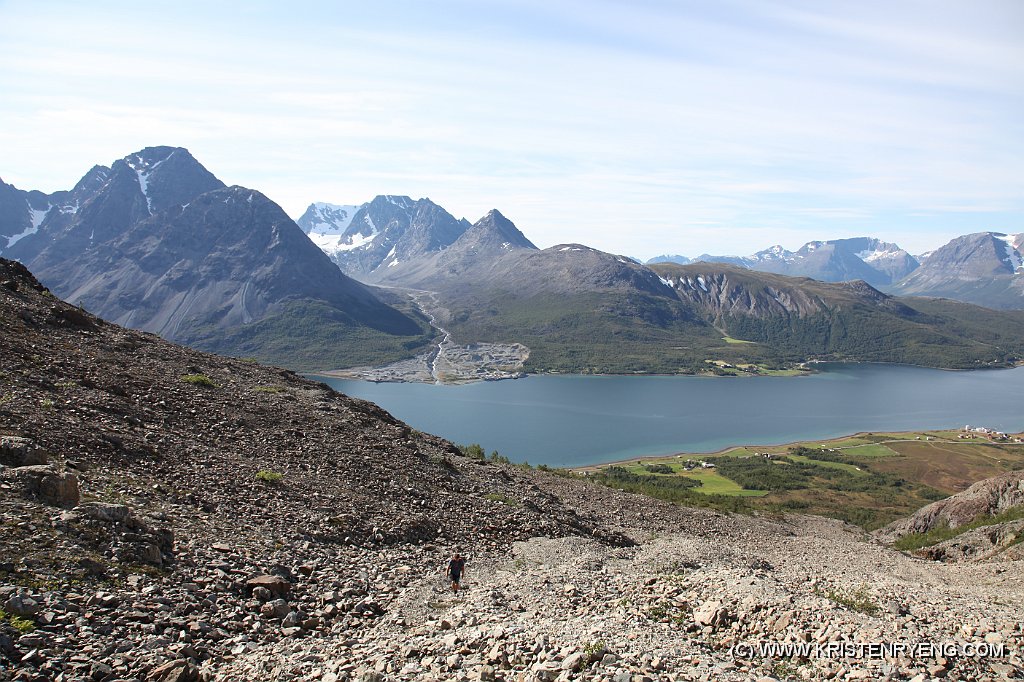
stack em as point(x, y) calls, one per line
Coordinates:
point(969, 432)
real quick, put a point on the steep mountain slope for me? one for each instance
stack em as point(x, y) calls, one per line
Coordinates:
point(158, 243)
point(983, 268)
point(367, 240)
point(804, 318)
point(838, 260)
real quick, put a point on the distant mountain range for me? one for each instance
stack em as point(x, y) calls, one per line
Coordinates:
point(982, 268)
point(580, 309)
point(156, 242)
point(839, 260)
point(398, 240)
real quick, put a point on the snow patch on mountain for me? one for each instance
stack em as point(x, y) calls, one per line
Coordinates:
point(1013, 257)
point(326, 219)
point(143, 169)
point(404, 203)
point(871, 256)
point(36, 218)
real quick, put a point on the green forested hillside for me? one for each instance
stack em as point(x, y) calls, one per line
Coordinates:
point(692, 326)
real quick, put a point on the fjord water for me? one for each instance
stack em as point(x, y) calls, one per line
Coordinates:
point(575, 420)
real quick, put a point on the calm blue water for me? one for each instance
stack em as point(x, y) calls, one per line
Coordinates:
point(576, 420)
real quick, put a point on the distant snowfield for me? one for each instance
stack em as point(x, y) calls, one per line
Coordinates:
point(1012, 255)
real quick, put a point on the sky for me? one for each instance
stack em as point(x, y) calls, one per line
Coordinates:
point(639, 128)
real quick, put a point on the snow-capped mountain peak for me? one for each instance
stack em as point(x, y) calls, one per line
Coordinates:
point(327, 219)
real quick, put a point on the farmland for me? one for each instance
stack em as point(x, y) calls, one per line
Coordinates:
point(868, 479)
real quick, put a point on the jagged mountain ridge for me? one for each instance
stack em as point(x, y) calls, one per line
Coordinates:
point(158, 243)
point(381, 233)
point(984, 268)
point(477, 252)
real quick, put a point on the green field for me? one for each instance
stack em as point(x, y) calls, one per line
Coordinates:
point(867, 479)
point(713, 483)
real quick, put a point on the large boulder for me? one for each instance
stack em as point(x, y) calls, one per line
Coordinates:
point(45, 483)
point(19, 452)
point(274, 583)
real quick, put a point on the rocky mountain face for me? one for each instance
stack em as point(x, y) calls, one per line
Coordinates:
point(173, 515)
point(722, 290)
point(381, 234)
point(990, 511)
point(983, 268)
point(327, 219)
point(474, 253)
point(24, 213)
point(325, 224)
point(838, 260)
point(851, 320)
point(158, 243)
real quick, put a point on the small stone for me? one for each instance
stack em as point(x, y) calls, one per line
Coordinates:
point(174, 671)
point(573, 661)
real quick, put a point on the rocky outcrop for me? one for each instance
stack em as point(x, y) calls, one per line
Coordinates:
point(20, 452)
point(45, 483)
point(983, 499)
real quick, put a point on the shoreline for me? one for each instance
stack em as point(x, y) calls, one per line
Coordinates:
point(804, 369)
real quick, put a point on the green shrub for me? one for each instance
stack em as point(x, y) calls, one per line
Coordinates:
point(473, 451)
point(20, 624)
point(198, 380)
point(269, 477)
point(858, 600)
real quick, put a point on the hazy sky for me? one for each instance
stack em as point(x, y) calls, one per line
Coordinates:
point(642, 127)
